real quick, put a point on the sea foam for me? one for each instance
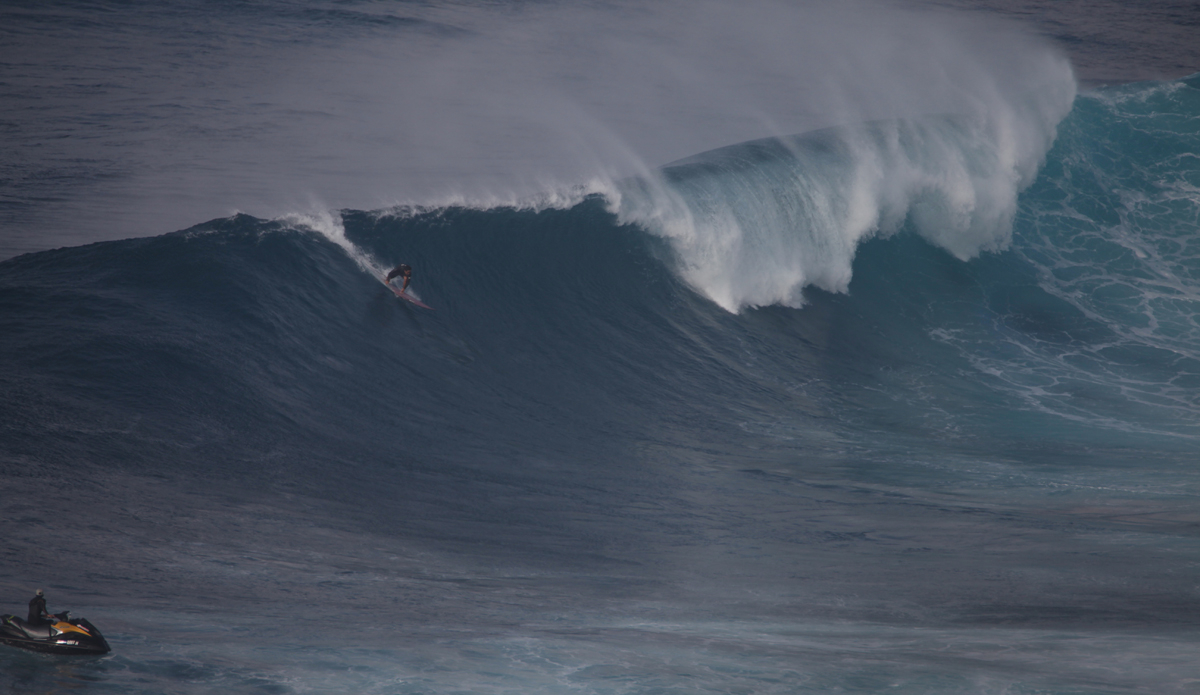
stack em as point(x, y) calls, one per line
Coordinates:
point(753, 224)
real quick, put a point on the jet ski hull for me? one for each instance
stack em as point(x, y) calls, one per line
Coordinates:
point(76, 636)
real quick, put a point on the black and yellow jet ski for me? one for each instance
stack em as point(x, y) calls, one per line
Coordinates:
point(59, 635)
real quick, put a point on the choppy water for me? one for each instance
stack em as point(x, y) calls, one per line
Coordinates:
point(904, 402)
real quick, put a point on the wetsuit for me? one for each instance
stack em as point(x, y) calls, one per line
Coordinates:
point(37, 609)
point(404, 270)
point(401, 269)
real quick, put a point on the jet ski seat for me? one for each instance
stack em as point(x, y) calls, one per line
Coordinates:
point(34, 631)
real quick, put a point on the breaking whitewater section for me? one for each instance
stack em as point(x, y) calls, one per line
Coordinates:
point(753, 224)
point(971, 118)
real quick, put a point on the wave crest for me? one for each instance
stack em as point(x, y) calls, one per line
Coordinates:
point(753, 224)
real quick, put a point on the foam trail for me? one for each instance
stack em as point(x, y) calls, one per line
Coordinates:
point(328, 225)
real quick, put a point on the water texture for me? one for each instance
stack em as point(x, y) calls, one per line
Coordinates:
point(903, 399)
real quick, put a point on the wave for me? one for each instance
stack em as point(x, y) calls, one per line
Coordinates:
point(753, 224)
point(571, 330)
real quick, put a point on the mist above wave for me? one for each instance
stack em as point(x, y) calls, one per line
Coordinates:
point(277, 107)
point(753, 224)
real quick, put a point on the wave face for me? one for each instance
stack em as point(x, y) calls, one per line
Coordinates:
point(977, 334)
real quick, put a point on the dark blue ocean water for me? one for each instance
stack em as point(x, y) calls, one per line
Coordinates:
point(900, 402)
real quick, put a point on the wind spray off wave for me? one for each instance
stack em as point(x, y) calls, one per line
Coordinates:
point(753, 224)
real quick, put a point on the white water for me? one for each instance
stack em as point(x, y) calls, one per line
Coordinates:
point(750, 232)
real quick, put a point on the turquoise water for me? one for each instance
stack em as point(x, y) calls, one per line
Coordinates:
point(904, 404)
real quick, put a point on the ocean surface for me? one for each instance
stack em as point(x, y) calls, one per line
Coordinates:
point(775, 347)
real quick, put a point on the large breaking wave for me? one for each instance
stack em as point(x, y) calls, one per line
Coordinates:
point(570, 396)
point(754, 223)
point(182, 341)
point(897, 391)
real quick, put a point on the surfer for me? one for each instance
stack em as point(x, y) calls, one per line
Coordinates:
point(37, 609)
point(404, 270)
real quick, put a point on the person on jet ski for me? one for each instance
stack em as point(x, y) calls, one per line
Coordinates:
point(37, 610)
point(404, 270)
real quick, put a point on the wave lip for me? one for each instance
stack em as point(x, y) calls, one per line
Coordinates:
point(753, 224)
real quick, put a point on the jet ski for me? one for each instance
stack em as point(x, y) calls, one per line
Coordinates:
point(59, 635)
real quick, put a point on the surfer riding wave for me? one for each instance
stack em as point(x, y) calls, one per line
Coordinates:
point(404, 270)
